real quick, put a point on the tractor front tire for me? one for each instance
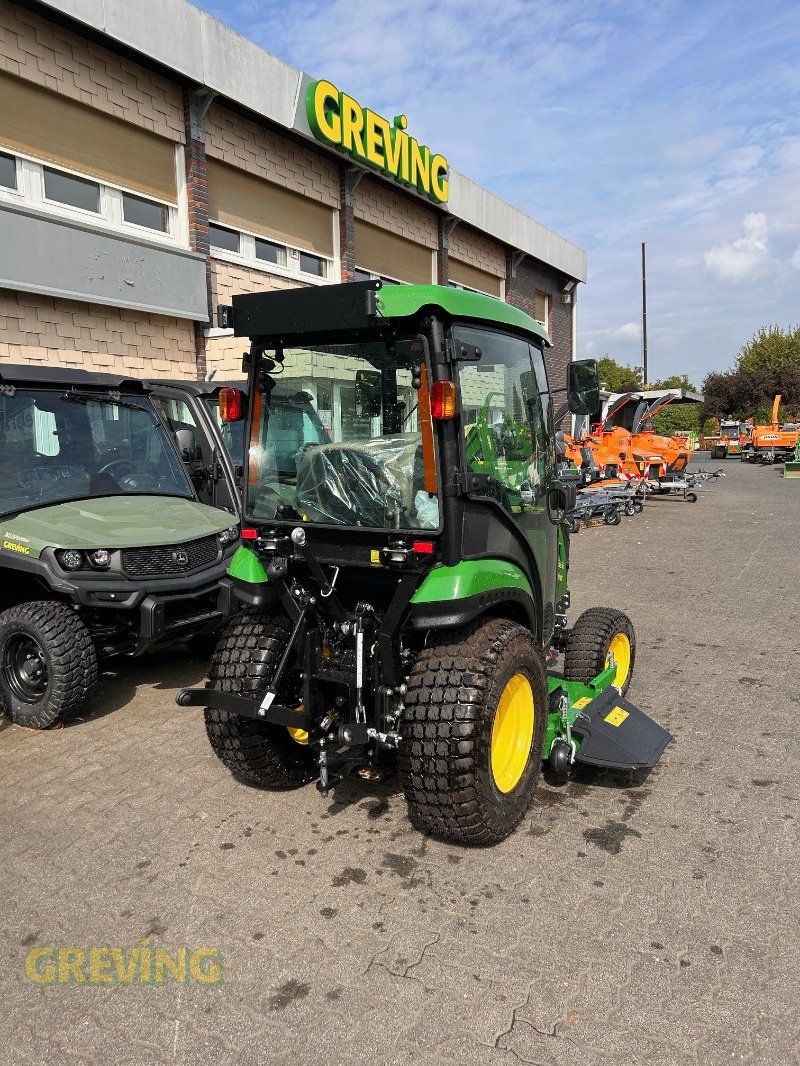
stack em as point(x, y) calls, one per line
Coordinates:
point(48, 663)
point(598, 634)
point(473, 731)
point(244, 662)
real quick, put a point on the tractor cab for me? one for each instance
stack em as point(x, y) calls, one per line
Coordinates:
point(402, 511)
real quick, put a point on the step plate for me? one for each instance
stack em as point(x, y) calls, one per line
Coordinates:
point(618, 735)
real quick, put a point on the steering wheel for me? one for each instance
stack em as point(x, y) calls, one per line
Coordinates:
point(127, 469)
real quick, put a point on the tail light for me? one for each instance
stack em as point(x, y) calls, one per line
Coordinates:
point(231, 405)
point(444, 400)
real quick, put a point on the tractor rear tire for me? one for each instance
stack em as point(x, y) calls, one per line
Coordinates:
point(48, 663)
point(597, 634)
point(244, 662)
point(473, 731)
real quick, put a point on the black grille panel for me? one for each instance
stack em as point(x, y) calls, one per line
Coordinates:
point(171, 559)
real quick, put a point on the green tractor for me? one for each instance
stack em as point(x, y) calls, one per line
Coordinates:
point(401, 598)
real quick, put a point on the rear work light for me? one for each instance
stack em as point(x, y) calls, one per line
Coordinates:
point(231, 405)
point(444, 400)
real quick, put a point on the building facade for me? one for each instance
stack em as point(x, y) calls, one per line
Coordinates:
point(153, 163)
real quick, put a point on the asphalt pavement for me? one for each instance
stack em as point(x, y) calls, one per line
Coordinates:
point(627, 921)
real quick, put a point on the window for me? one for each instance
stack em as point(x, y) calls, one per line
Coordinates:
point(8, 171)
point(313, 264)
point(542, 308)
point(507, 437)
point(74, 192)
point(265, 254)
point(62, 192)
point(270, 252)
point(366, 275)
point(219, 237)
point(147, 213)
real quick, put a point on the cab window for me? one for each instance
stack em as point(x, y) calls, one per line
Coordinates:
point(506, 417)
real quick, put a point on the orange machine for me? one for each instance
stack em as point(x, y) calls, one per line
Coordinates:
point(675, 453)
point(774, 442)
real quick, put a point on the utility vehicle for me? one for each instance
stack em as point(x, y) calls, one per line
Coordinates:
point(105, 548)
point(729, 442)
point(401, 593)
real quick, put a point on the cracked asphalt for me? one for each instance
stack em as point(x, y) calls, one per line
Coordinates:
point(627, 921)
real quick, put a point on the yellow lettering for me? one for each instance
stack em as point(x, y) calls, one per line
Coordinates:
point(391, 148)
point(377, 129)
point(124, 973)
point(326, 111)
point(45, 975)
point(402, 172)
point(70, 965)
point(100, 963)
point(211, 974)
point(145, 969)
point(164, 962)
point(352, 126)
point(440, 184)
point(420, 166)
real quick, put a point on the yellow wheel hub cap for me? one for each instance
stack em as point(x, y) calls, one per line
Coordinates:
point(512, 733)
point(620, 651)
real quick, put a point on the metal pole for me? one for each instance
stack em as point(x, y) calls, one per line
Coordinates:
point(644, 314)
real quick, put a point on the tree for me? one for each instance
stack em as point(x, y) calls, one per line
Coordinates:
point(677, 381)
point(617, 378)
point(771, 349)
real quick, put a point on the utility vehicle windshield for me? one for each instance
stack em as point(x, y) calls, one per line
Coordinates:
point(344, 438)
point(57, 446)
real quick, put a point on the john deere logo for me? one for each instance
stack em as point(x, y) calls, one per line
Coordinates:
point(340, 120)
point(180, 557)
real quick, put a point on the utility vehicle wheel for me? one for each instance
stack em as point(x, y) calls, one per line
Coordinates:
point(473, 731)
point(48, 663)
point(244, 661)
point(598, 635)
point(612, 518)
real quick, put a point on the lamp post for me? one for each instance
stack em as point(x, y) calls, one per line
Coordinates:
point(644, 315)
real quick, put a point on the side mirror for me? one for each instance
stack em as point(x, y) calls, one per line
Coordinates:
point(231, 405)
point(368, 393)
point(583, 387)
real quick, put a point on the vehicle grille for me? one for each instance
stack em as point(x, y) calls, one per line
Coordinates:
point(171, 559)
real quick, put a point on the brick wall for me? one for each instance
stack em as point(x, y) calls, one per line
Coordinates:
point(47, 331)
point(43, 52)
point(479, 251)
point(533, 276)
point(242, 143)
point(402, 215)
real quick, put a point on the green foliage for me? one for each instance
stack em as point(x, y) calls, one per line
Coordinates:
point(617, 378)
point(677, 418)
point(767, 365)
point(677, 381)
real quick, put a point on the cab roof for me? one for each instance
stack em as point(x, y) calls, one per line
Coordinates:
point(22, 374)
point(292, 316)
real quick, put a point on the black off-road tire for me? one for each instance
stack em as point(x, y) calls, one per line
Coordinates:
point(244, 662)
point(66, 653)
point(444, 757)
point(589, 640)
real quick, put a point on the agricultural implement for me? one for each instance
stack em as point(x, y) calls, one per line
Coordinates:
point(774, 442)
point(400, 599)
point(685, 483)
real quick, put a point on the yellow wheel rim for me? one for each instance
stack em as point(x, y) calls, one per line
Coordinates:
point(512, 733)
point(299, 736)
point(620, 651)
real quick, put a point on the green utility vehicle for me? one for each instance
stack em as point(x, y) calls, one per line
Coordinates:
point(401, 592)
point(105, 547)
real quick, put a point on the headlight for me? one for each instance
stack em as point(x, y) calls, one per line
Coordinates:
point(100, 558)
point(71, 559)
point(229, 535)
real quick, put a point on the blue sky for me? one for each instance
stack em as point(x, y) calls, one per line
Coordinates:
point(676, 123)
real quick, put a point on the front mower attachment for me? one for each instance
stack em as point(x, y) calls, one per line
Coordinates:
point(618, 735)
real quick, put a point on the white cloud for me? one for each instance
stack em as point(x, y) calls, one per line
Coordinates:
point(631, 331)
point(745, 258)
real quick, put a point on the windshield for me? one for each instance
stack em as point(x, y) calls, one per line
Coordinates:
point(58, 446)
point(232, 433)
point(345, 438)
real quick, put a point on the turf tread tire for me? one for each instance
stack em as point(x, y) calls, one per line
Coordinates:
point(444, 752)
point(588, 641)
point(70, 655)
point(244, 661)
